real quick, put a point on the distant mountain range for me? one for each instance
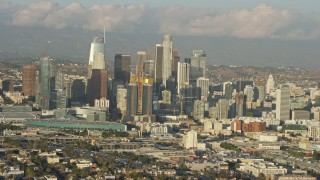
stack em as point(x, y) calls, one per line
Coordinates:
point(74, 44)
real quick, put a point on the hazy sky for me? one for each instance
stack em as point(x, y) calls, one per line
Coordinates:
point(287, 20)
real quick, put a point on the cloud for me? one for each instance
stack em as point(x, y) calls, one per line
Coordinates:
point(263, 21)
point(52, 15)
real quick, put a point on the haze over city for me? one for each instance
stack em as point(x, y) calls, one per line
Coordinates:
point(150, 89)
point(260, 33)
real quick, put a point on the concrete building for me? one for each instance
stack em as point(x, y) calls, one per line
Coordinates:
point(166, 97)
point(121, 99)
point(223, 108)
point(260, 91)
point(314, 131)
point(101, 103)
point(240, 105)
point(190, 140)
point(183, 75)
point(283, 103)
point(132, 99)
point(167, 58)
point(268, 169)
point(249, 92)
point(29, 73)
point(266, 138)
point(147, 102)
point(203, 83)
point(97, 85)
point(254, 127)
point(198, 109)
point(270, 84)
point(300, 114)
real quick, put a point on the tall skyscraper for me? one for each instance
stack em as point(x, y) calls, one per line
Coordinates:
point(239, 98)
point(97, 54)
point(248, 91)
point(97, 85)
point(203, 83)
point(147, 99)
point(132, 99)
point(227, 90)
point(270, 84)
point(283, 103)
point(167, 58)
point(260, 90)
point(29, 73)
point(158, 67)
point(183, 75)
point(175, 60)
point(47, 80)
point(122, 64)
point(198, 65)
point(222, 109)
point(148, 66)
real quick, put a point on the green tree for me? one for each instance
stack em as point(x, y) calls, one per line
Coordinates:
point(261, 177)
point(29, 173)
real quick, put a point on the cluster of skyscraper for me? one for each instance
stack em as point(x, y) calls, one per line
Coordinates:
point(163, 85)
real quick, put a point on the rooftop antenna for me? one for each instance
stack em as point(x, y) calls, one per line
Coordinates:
point(45, 51)
point(104, 35)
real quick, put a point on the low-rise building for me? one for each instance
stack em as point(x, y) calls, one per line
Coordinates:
point(81, 164)
point(268, 169)
point(53, 159)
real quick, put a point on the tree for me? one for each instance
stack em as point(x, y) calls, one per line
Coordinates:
point(29, 173)
point(261, 177)
point(316, 155)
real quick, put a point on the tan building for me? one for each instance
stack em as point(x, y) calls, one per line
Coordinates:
point(29, 80)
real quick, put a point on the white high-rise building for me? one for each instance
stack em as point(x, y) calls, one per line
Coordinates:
point(283, 103)
point(203, 83)
point(167, 58)
point(191, 140)
point(96, 57)
point(270, 84)
point(97, 53)
point(121, 98)
point(248, 91)
point(183, 75)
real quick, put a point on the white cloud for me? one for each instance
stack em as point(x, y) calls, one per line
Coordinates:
point(51, 15)
point(263, 21)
